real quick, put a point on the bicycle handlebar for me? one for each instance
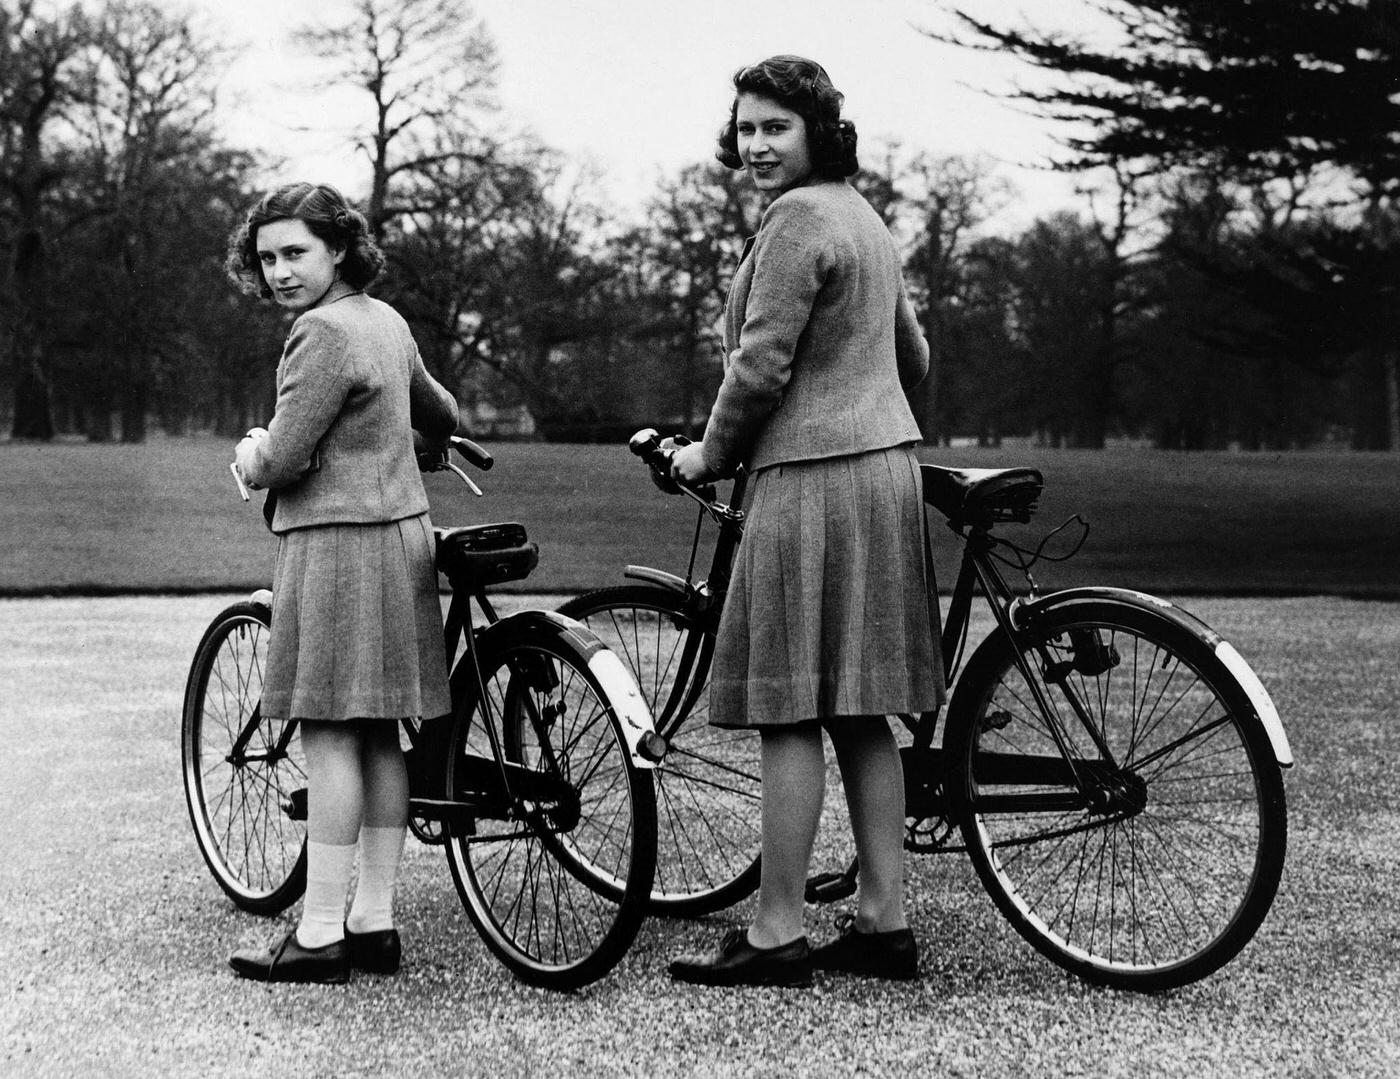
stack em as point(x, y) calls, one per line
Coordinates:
point(646, 444)
point(439, 460)
point(473, 453)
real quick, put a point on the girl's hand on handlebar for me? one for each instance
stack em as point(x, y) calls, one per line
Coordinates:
point(688, 464)
point(431, 455)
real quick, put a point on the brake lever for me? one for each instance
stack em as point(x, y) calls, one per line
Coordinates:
point(471, 484)
point(441, 461)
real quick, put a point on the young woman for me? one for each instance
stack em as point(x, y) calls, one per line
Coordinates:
point(831, 619)
point(356, 639)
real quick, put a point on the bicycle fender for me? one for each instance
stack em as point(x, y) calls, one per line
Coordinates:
point(262, 598)
point(1025, 612)
point(644, 745)
point(658, 577)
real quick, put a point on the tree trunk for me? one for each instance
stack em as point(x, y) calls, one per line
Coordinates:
point(134, 414)
point(1391, 365)
point(33, 398)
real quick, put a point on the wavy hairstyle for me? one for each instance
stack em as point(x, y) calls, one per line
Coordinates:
point(326, 214)
point(803, 86)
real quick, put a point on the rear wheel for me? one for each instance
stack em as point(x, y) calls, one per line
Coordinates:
point(1160, 863)
point(245, 777)
point(707, 786)
point(554, 875)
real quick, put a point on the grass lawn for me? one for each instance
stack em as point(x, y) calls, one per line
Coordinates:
point(165, 517)
point(113, 935)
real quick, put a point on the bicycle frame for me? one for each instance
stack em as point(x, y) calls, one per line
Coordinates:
point(499, 789)
point(924, 769)
point(977, 568)
point(703, 600)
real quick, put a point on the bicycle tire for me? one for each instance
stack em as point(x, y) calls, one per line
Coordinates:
point(244, 775)
point(557, 890)
point(1172, 873)
point(707, 786)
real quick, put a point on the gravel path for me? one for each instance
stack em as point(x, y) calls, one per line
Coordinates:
point(113, 935)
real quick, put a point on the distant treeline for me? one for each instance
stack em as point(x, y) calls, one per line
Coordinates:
point(1195, 306)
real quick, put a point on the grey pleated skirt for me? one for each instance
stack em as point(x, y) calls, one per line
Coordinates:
point(832, 610)
point(356, 624)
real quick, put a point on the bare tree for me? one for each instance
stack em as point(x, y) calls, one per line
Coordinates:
point(697, 224)
point(428, 68)
point(146, 146)
point(42, 67)
point(944, 200)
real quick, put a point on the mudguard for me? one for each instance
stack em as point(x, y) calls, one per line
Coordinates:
point(1026, 612)
point(658, 577)
point(644, 745)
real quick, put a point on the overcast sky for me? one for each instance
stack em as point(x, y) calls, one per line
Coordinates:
point(639, 87)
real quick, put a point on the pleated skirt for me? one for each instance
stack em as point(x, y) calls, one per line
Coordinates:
point(833, 610)
point(356, 624)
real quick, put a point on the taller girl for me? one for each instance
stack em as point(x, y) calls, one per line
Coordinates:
point(831, 618)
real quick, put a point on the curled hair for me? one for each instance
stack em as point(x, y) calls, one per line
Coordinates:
point(326, 214)
point(804, 87)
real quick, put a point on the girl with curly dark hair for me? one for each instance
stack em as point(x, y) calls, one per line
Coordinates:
point(356, 641)
point(831, 618)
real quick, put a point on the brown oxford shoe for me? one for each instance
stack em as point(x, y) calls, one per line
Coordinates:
point(288, 961)
point(737, 962)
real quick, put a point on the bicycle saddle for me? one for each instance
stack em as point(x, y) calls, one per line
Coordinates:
point(477, 555)
point(982, 495)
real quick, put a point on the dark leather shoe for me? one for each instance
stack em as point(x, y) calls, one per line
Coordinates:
point(737, 962)
point(288, 961)
point(874, 955)
point(379, 951)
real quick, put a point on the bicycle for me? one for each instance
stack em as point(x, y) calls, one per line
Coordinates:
point(538, 785)
point(1111, 765)
point(707, 783)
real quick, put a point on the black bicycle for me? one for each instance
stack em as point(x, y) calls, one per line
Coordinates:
point(1112, 766)
point(538, 785)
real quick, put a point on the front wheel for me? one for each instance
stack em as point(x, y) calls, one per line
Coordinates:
point(554, 873)
point(707, 785)
point(245, 776)
point(1133, 830)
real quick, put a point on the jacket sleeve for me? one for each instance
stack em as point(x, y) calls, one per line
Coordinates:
point(432, 410)
point(312, 389)
point(792, 259)
point(910, 349)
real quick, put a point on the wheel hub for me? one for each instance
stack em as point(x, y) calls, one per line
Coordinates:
point(1122, 794)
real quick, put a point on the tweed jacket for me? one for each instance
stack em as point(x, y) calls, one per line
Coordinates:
point(820, 339)
point(351, 387)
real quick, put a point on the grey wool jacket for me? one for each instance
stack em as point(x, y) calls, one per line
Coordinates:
point(351, 388)
point(820, 338)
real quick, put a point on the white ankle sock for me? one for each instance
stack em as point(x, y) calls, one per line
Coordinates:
point(380, 852)
point(328, 867)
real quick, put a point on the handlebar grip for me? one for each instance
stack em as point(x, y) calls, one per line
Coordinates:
point(473, 453)
point(646, 444)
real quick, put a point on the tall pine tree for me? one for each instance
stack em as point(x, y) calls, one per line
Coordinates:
point(1302, 90)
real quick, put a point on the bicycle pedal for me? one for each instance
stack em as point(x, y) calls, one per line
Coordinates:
point(830, 887)
point(995, 720)
point(295, 805)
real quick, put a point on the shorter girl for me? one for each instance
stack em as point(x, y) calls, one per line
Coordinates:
point(356, 640)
